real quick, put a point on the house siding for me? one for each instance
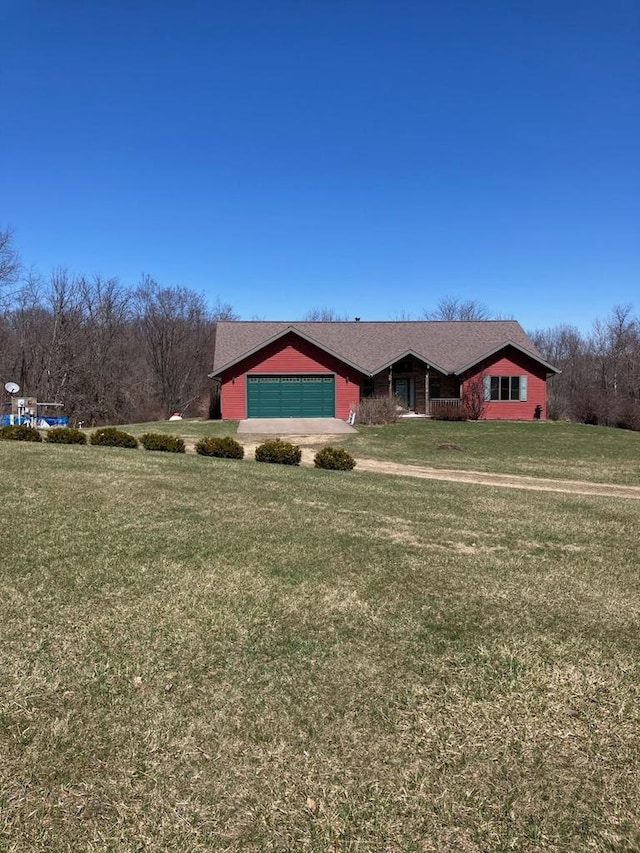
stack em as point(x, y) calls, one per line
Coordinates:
point(513, 363)
point(288, 355)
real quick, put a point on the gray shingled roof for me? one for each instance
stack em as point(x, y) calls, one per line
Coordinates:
point(450, 346)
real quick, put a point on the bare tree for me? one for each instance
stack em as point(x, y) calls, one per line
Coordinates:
point(176, 331)
point(223, 311)
point(616, 344)
point(453, 308)
point(324, 315)
point(600, 378)
point(10, 267)
point(44, 323)
point(473, 397)
point(108, 353)
point(106, 376)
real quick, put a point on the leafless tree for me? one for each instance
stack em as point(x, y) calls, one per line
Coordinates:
point(10, 267)
point(223, 311)
point(176, 332)
point(324, 315)
point(106, 378)
point(44, 324)
point(600, 378)
point(107, 352)
point(473, 397)
point(453, 308)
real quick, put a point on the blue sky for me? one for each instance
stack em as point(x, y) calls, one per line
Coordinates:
point(369, 156)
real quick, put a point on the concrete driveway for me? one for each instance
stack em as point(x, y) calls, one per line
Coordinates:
point(293, 426)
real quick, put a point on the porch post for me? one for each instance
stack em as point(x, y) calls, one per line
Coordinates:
point(426, 391)
point(390, 381)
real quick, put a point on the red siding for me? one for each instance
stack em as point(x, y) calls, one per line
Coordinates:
point(512, 362)
point(294, 355)
point(289, 354)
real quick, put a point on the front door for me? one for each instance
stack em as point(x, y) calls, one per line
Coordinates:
point(403, 390)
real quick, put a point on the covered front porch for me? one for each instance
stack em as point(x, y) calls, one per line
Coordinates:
point(419, 387)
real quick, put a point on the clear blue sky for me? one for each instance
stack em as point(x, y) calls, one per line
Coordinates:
point(364, 155)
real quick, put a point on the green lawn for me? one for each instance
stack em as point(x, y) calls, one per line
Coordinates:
point(191, 429)
point(555, 450)
point(203, 655)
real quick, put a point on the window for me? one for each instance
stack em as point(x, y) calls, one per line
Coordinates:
point(367, 387)
point(505, 388)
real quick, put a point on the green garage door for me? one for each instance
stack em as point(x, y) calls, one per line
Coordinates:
point(291, 396)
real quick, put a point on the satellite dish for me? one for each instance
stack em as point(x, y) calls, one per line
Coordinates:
point(12, 387)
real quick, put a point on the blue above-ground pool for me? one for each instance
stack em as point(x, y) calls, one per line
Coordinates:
point(56, 421)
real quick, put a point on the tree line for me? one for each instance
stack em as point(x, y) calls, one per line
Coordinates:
point(600, 379)
point(109, 353)
point(112, 353)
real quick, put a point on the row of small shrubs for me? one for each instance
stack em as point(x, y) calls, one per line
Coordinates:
point(275, 451)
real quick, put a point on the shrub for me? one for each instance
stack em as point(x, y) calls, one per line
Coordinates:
point(473, 397)
point(447, 412)
point(113, 437)
point(20, 432)
point(378, 410)
point(222, 448)
point(628, 415)
point(334, 459)
point(279, 452)
point(65, 435)
point(161, 441)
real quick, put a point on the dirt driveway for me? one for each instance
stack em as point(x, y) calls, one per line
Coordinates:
point(309, 445)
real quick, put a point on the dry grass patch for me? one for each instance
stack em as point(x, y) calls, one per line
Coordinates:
point(203, 656)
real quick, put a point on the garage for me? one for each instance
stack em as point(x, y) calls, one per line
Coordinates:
point(291, 396)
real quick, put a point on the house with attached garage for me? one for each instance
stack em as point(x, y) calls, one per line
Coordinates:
point(323, 369)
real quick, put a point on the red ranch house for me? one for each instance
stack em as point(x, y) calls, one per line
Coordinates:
point(315, 369)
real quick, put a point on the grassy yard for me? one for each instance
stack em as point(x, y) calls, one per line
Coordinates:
point(191, 429)
point(555, 450)
point(205, 655)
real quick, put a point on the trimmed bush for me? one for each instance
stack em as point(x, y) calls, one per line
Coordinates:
point(162, 441)
point(20, 432)
point(447, 412)
point(279, 452)
point(334, 459)
point(113, 437)
point(378, 410)
point(221, 448)
point(65, 435)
